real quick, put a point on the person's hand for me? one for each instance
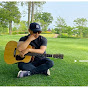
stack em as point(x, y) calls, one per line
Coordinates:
point(33, 36)
point(22, 53)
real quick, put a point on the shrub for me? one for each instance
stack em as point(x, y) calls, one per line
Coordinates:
point(63, 35)
point(19, 32)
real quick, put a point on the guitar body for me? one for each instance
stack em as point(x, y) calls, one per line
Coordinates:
point(9, 53)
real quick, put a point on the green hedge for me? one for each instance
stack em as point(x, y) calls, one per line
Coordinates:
point(19, 32)
point(65, 35)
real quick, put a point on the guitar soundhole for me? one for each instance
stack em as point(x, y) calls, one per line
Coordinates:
point(19, 58)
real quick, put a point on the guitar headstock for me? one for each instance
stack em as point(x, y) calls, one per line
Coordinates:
point(58, 56)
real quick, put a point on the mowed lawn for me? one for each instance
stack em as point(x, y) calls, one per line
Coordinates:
point(65, 72)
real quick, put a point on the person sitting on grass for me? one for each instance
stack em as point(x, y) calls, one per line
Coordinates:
point(40, 65)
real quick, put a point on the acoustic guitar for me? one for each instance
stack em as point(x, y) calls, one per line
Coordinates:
point(11, 54)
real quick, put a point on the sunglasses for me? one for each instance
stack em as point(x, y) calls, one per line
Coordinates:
point(37, 32)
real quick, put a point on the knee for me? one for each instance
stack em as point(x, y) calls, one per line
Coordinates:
point(50, 63)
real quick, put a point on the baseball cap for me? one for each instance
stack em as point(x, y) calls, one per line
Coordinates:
point(35, 27)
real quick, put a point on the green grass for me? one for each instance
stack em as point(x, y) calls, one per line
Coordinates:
point(65, 72)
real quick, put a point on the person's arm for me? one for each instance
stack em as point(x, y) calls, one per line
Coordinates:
point(22, 45)
point(41, 50)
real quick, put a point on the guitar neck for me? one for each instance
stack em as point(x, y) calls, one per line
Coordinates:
point(46, 55)
point(37, 54)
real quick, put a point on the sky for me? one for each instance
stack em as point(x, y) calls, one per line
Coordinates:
point(68, 10)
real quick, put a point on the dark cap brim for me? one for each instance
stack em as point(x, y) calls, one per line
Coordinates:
point(35, 30)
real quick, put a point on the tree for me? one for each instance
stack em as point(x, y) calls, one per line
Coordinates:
point(85, 31)
point(29, 12)
point(3, 21)
point(44, 19)
point(22, 26)
point(69, 30)
point(60, 25)
point(56, 29)
point(32, 15)
point(43, 24)
point(35, 6)
point(10, 13)
point(32, 9)
point(80, 23)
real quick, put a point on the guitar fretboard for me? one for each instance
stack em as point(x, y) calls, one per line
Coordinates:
point(48, 55)
point(36, 54)
point(45, 55)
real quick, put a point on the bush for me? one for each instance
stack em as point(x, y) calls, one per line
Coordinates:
point(65, 35)
point(4, 30)
point(19, 32)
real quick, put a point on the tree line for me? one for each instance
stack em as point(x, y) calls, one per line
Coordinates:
point(10, 20)
point(80, 28)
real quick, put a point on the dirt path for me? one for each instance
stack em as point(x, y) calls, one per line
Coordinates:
point(56, 35)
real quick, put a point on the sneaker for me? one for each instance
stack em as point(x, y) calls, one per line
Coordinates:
point(47, 72)
point(23, 74)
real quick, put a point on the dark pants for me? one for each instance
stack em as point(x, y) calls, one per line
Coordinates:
point(37, 66)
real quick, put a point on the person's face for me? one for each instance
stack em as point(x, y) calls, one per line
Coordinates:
point(35, 33)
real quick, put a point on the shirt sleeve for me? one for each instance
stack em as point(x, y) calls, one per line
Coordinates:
point(44, 42)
